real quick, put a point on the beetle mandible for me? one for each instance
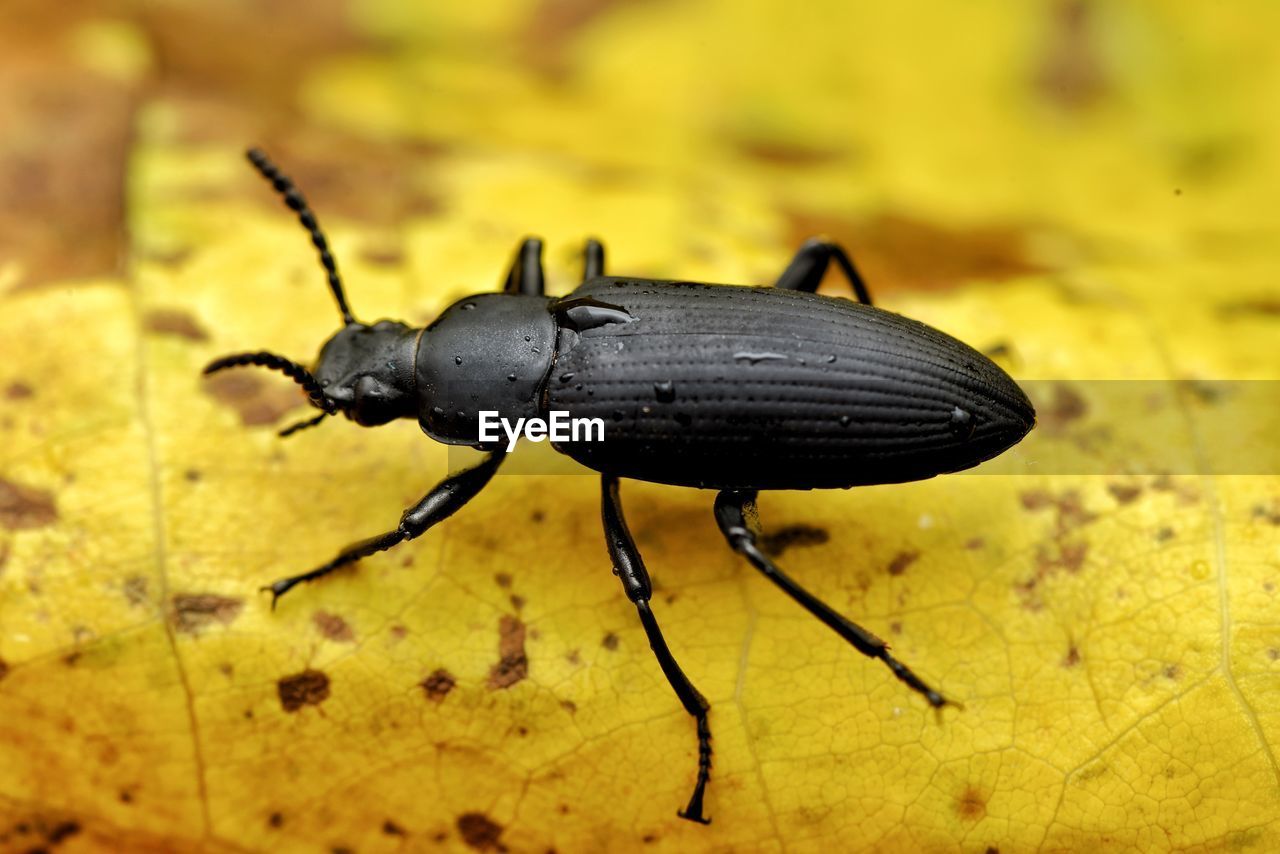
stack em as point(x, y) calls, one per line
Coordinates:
point(736, 389)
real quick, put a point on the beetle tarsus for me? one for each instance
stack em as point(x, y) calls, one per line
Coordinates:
point(738, 520)
point(630, 569)
point(693, 812)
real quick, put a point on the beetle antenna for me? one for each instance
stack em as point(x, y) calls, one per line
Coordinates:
point(302, 425)
point(292, 370)
point(294, 199)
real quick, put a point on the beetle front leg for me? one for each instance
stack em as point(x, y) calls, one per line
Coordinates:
point(628, 566)
point(809, 265)
point(738, 520)
point(525, 275)
point(447, 498)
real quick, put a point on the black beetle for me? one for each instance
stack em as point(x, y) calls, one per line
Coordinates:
point(719, 387)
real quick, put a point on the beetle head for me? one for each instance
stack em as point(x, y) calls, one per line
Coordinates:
point(365, 372)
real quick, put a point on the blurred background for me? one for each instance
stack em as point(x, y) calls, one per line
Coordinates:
point(1084, 190)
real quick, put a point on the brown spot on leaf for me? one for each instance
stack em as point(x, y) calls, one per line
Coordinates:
point(1071, 75)
point(1261, 307)
point(1185, 493)
point(4, 668)
point(438, 685)
point(503, 580)
point(974, 543)
point(480, 832)
point(192, 612)
point(308, 688)
point(135, 589)
point(901, 561)
point(276, 819)
point(333, 627)
point(18, 390)
point(610, 641)
point(1035, 499)
point(1268, 513)
point(780, 152)
point(513, 664)
point(1172, 671)
point(900, 253)
point(776, 542)
point(173, 321)
point(1066, 406)
point(390, 828)
point(1124, 493)
point(971, 805)
point(569, 706)
point(23, 507)
point(257, 400)
point(380, 255)
point(1072, 658)
point(551, 28)
point(1165, 534)
point(61, 831)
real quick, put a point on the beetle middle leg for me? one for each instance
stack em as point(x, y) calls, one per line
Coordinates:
point(629, 567)
point(738, 520)
point(810, 263)
point(447, 498)
point(525, 275)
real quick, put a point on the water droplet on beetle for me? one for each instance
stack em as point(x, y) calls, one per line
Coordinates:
point(665, 391)
point(757, 358)
point(528, 338)
point(961, 423)
point(511, 378)
point(830, 359)
point(845, 420)
point(457, 360)
point(567, 376)
point(467, 306)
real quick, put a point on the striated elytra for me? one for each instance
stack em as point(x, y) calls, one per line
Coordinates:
point(722, 387)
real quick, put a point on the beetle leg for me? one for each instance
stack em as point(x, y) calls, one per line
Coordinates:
point(592, 259)
point(738, 520)
point(809, 265)
point(628, 566)
point(448, 497)
point(525, 275)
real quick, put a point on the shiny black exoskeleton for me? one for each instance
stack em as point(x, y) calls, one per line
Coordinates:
point(719, 387)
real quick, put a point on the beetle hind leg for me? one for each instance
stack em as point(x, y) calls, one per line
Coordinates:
point(629, 567)
point(736, 515)
point(810, 264)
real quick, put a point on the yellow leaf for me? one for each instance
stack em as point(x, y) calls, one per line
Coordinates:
point(1085, 190)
